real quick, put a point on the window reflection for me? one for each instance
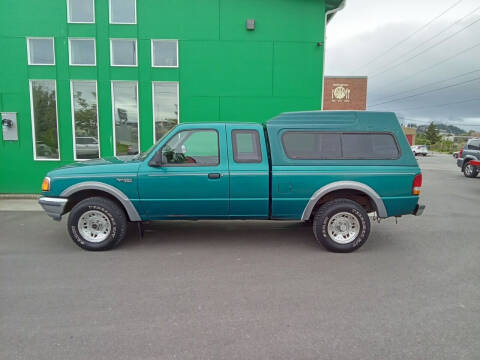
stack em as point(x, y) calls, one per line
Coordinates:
point(125, 114)
point(44, 115)
point(84, 96)
point(164, 53)
point(165, 107)
point(41, 51)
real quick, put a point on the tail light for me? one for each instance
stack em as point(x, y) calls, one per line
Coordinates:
point(460, 153)
point(417, 184)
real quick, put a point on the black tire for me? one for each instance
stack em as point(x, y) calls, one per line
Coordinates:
point(327, 211)
point(469, 170)
point(109, 212)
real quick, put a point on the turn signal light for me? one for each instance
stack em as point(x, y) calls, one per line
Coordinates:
point(417, 184)
point(46, 184)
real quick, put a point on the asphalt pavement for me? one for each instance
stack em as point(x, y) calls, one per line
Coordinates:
point(250, 289)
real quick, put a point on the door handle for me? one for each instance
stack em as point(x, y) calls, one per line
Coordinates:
point(214, 175)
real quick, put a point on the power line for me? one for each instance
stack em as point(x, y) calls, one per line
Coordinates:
point(441, 105)
point(430, 67)
point(410, 36)
point(424, 51)
point(428, 92)
point(432, 83)
point(439, 33)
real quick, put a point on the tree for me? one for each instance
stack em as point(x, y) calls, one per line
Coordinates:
point(432, 134)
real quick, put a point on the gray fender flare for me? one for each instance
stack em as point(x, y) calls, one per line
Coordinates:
point(345, 185)
point(96, 185)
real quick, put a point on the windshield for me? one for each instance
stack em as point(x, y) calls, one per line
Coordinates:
point(145, 154)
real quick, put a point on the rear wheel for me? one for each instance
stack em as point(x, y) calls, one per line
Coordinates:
point(97, 224)
point(469, 170)
point(341, 225)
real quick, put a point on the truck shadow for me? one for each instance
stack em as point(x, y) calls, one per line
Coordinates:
point(221, 234)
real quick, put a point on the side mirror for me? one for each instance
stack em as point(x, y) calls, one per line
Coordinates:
point(156, 160)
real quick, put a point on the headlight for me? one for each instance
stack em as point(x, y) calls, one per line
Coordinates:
point(46, 184)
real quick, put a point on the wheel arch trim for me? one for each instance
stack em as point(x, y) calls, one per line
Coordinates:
point(116, 193)
point(345, 185)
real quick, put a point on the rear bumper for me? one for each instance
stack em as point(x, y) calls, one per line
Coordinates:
point(418, 210)
point(54, 207)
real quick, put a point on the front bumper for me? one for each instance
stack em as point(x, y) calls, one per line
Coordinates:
point(418, 210)
point(54, 207)
point(460, 162)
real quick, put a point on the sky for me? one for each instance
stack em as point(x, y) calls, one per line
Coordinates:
point(422, 58)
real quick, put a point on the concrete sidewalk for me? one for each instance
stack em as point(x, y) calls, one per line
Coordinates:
point(15, 204)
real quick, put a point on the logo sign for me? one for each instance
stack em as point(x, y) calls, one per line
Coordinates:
point(340, 93)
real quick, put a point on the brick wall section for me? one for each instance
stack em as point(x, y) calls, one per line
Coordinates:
point(345, 93)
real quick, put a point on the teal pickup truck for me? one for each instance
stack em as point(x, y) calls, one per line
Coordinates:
point(330, 169)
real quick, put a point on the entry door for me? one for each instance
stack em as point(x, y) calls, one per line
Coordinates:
point(193, 181)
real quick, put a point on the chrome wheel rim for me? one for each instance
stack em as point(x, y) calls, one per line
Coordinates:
point(468, 169)
point(94, 226)
point(343, 228)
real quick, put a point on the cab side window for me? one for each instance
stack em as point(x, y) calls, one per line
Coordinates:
point(192, 148)
point(246, 146)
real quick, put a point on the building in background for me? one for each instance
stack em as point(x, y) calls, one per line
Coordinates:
point(410, 134)
point(345, 93)
point(82, 79)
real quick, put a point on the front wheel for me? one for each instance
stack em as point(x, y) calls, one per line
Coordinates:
point(97, 224)
point(470, 171)
point(341, 225)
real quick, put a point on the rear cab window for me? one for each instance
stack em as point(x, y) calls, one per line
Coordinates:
point(315, 145)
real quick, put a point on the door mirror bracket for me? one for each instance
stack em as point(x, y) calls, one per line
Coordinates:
point(156, 160)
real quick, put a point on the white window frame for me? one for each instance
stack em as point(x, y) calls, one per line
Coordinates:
point(73, 120)
point(32, 117)
point(113, 114)
point(70, 51)
point(80, 22)
point(40, 38)
point(153, 102)
point(165, 66)
point(111, 52)
point(120, 23)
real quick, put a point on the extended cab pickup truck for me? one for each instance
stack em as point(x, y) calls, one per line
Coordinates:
point(330, 169)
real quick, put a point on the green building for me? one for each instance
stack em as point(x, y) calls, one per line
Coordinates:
point(81, 79)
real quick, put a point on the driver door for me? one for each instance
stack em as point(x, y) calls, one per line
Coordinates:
point(193, 180)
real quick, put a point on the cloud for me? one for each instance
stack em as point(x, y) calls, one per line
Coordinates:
point(407, 88)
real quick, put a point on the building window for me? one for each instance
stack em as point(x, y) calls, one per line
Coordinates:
point(123, 52)
point(81, 11)
point(165, 108)
point(192, 148)
point(125, 117)
point(43, 103)
point(246, 146)
point(82, 52)
point(123, 12)
point(85, 119)
point(41, 51)
point(165, 53)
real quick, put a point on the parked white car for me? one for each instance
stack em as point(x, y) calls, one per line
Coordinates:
point(420, 150)
point(87, 147)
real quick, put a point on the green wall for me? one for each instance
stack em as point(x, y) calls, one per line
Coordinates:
point(225, 72)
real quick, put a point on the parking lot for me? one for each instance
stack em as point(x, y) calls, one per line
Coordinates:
point(250, 290)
